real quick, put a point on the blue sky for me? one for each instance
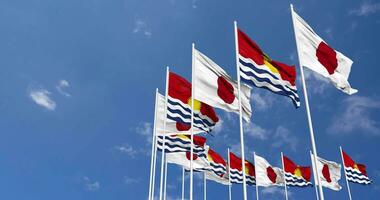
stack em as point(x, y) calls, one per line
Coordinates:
point(78, 78)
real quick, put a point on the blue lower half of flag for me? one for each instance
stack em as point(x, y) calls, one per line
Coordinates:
point(292, 180)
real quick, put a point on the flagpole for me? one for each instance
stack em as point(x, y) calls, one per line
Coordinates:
point(315, 176)
point(152, 160)
point(183, 183)
point(164, 133)
point(229, 175)
point(166, 177)
point(240, 113)
point(314, 148)
point(192, 121)
point(283, 168)
point(204, 186)
point(345, 173)
point(154, 164)
point(257, 187)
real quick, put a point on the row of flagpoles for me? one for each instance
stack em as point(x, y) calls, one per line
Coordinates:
point(187, 108)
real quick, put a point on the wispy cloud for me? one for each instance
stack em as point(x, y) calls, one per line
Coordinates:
point(256, 131)
point(355, 115)
point(329, 33)
point(127, 149)
point(274, 191)
point(316, 83)
point(62, 85)
point(283, 137)
point(218, 127)
point(91, 185)
point(145, 129)
point(141, 27)
point(194, 4)
point(130, 180)
point(42, 98)
point(366, 8)
point(262, 100)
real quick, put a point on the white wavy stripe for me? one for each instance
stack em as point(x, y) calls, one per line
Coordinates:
point(189, 107)
point(219, 170)
point(293, 177)
point(269, 86)
point(353, 170)
point(303, 184)
point(356, 175)
point(178, 146)
point(234, 173)
point(366, 182)
point(198, 125)
point(272, 81)
point(265, 68)
point(201, 117)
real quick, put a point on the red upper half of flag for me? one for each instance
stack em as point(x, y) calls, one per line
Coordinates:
point(180, 88)
point(249, 49)
point(216, 157)
point(291, 167)
point(349, 162)
point(235, 163)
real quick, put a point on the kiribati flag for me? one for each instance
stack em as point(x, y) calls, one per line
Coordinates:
point(236, 174)
point(181, 143)
point(296, 175)
point(179, 106)
point(355, 172)
point(257, 69)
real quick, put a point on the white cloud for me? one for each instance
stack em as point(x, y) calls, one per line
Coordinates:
point(262, 101)
point(366, 8)
point(283, 137)
point(141, 27)
point(91, 185)
point(355, 115)
point(256, 131)
point(194, 4)
point(218, 127)
point(329, 33)
point(127, 149)
point(145, 129)
point(316, 84)
point(62, 84)
point(41, 97)
point(271, 191)
point(130, 180)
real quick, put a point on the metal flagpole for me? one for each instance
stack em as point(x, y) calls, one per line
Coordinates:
point(240, 113)
point(183, 183)
point(229, 176)
point(164, 133)
point(257, 187)
point(152, 160)
point(345, 173)
point(315, 176)
point(204, 186)
point(166, 177)
point(154, 165)
point(314, 148)
point(283, 168)
point(192, 121)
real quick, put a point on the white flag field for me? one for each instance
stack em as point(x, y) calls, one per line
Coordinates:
point(266, 175)
point(315, 54)
point(212, 85)
point(329, 173)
